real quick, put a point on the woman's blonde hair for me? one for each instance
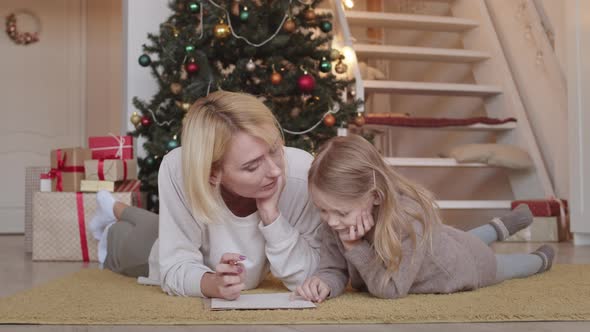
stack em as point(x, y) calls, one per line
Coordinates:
point(207, 130)
point(350, 168)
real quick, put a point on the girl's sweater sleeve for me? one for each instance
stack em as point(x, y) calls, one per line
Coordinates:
point(180, 236)
point(372, 270)
point(333, 269)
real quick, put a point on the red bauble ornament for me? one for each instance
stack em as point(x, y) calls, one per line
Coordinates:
point(306, 83)
point(192, 67)
point(146, 121)
point(329, 120)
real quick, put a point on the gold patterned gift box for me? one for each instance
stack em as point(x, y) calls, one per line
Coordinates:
point(32, 184)
point(110, 169)
point(60, 224)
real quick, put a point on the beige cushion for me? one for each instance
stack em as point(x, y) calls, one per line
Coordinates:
point(492, 154)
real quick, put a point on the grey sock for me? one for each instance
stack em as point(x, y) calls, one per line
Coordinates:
point(517, 219)
point(547, 254)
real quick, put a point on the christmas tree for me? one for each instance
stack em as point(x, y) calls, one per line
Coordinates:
point(278, 50)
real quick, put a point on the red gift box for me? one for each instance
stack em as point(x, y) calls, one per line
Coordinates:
point(111, 147)
point(543, 207)
point(550, 208)
point(133, 186)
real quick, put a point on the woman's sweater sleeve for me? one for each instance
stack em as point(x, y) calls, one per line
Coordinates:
point(180, 236)
point(293, 239)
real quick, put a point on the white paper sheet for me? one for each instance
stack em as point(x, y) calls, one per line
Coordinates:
point(262, 301)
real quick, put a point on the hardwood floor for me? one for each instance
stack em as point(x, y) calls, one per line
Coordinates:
point(18, 273)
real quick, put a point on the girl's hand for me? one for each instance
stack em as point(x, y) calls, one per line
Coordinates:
point(228, 280)
point(268, 208)
point(313, 289)
point(352, 237)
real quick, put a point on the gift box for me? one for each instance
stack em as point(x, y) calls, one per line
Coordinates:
point(32, 184)
point(60, 225)
point(96, 185)
point(543, 229)
point(551, 208)
point(110, 169)
point(67, 168)
point(111, 147)
point(544, 207)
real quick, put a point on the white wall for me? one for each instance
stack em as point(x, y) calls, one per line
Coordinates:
point(578, 79)
point(139, 18)
point(104, 70)
point(43, 95)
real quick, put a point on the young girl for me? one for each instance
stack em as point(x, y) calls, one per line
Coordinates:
point(386, 237)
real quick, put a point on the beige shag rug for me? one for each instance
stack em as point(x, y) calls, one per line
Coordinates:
point(102, 297)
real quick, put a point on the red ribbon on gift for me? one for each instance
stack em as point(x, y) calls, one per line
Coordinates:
point(130, 186)
point(62, 168)
point(82, 227)
point(101, 169)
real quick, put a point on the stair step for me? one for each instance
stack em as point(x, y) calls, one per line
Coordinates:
point(420, 53)
point(408, 21)
point(473, 127)
point(434, 89)
point(430, 162)
point(470, 205)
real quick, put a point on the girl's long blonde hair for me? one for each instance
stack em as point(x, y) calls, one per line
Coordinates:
point(207, 130)
point(349, 168)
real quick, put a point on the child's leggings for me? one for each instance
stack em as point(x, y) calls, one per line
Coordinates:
point(130, 241)
point(509, 266)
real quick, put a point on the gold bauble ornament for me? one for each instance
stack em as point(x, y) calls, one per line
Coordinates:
point(135, 119)
point(329, 120)
point(341, 67)
point(309, 15)
point(334, 54)
point(359, 120)
point(276, 78)
point(176, 88)
point(289, 25)
point(183, 105)
point(221, 30)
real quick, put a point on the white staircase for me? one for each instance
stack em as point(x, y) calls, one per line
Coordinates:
point(494, 84)
point(425, 88)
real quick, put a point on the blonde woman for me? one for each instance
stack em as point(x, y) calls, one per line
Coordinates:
point(385, 235)
point(233, 206)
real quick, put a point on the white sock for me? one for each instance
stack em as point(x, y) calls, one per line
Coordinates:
point(104, 213)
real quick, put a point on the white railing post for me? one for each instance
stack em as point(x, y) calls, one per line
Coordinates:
point(346, 38)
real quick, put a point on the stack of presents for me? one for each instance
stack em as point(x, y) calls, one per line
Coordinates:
point(60, 200)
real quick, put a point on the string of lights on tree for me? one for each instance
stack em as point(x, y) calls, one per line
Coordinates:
point(277, 50)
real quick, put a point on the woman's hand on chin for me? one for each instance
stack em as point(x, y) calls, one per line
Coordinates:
point(268, 207)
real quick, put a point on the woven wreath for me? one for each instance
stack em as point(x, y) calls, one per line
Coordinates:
point(22, 38)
